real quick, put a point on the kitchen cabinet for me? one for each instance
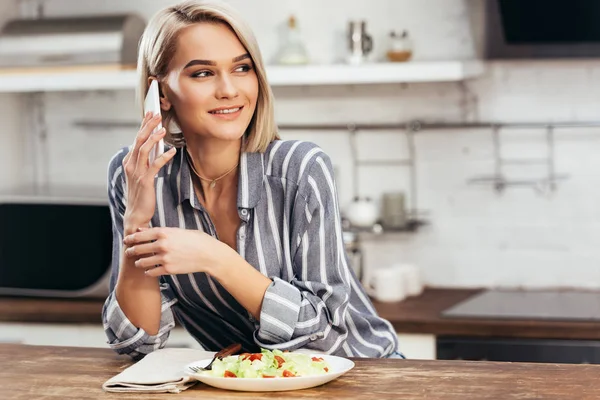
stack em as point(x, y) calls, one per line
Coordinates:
point(414, 346)
point(417, 346)
point(75, 335)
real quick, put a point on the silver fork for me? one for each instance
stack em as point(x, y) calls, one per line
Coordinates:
point(227, 351)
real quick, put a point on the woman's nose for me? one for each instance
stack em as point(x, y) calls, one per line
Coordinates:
point(226, 88)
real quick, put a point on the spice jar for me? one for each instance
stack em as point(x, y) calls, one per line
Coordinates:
point(400, 47)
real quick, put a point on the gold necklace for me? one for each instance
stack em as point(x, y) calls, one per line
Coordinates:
point(213, 182)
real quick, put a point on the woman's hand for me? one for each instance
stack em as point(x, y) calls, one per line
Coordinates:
point(141, 198)
point(170, 251)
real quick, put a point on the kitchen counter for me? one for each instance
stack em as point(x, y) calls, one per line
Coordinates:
point(35, 372)
point(420, 314)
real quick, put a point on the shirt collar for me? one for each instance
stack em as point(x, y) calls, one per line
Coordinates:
point(250, 181)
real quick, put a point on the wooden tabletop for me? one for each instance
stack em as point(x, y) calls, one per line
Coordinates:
point(39, 372)
point(420, 314)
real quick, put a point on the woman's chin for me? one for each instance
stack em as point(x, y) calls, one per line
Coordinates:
point(226, 134)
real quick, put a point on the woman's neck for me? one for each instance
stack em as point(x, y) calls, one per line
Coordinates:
point(215, 160)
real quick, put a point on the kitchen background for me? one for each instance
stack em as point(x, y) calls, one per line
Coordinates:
point(476, 236)
point(485, 152)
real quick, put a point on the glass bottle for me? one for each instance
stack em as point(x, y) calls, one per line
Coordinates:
point(292, 50)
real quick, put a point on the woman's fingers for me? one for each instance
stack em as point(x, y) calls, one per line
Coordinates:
point(140, 138)
point(144, 236)
point(144, 151)
point(162, 161)
point(157, 271)
point(148, 125)
point(142, 250)
point(148, 262)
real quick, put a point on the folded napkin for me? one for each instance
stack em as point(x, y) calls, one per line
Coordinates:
point(159, 372)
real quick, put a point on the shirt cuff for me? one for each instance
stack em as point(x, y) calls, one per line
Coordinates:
point(279, 312)
point(125, 338)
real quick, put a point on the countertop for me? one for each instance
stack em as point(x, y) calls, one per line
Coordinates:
point(420, 314)
point(36, 372)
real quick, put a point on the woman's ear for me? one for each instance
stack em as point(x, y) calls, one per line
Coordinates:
point(165, 104)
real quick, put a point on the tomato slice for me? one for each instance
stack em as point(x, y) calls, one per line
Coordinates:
point(268, 376)
point(317, 359)
point(229, 374)
point(279, 360)
point(251, 356)
point(288, 373)
point(326, 369)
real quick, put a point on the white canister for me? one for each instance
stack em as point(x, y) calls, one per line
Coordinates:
point(394, 283)
point(387, 284)
point(413, 284)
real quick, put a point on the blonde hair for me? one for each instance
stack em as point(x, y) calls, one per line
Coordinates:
point(158, 46)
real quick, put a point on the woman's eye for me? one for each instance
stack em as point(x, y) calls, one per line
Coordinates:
point(201, 74)
point(243, 68)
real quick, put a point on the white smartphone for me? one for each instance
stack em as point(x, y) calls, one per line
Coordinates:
point(152, 104)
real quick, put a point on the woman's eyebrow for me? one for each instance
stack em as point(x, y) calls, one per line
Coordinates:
point(213, 63)
point(240, 58)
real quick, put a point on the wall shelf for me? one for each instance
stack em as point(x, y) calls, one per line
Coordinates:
point(112, 77)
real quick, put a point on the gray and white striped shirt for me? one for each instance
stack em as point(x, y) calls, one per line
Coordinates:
point(290, 231)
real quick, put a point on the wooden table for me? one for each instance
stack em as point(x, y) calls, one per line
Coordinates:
point(36, 372)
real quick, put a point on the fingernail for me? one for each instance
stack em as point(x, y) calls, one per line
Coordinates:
point(172, 150)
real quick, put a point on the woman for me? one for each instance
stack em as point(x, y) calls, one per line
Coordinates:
point(233, 232)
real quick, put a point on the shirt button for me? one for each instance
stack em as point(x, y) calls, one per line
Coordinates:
point(313, 337)
point(244, 212)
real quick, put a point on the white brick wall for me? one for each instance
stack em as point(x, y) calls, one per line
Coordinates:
point(476, 237)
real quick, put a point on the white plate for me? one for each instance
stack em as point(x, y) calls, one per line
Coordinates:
point(339, 366)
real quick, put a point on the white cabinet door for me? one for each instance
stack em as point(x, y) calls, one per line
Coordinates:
point(78, 335)
point(417, 346)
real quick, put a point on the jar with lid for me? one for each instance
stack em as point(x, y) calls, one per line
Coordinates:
point(400, 46)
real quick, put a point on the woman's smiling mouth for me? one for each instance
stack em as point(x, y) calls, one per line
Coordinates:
point(228, 113)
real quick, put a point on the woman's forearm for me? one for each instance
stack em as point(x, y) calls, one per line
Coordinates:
point(138, 295)
point(242, 281)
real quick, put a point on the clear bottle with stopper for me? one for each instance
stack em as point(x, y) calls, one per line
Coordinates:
point(400, 47)
point(292, 50)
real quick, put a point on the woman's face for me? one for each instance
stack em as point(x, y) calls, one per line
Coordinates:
point(211, 83)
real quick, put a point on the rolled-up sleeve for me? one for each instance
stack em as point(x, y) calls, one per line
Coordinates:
point(123, 336)
point(309, 311)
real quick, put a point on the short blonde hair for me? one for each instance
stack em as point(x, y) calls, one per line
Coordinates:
point(158, 46)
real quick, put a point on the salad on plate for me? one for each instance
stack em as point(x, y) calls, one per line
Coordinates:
point(268, 364)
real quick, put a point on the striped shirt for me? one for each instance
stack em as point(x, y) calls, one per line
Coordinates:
point(290, 231)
